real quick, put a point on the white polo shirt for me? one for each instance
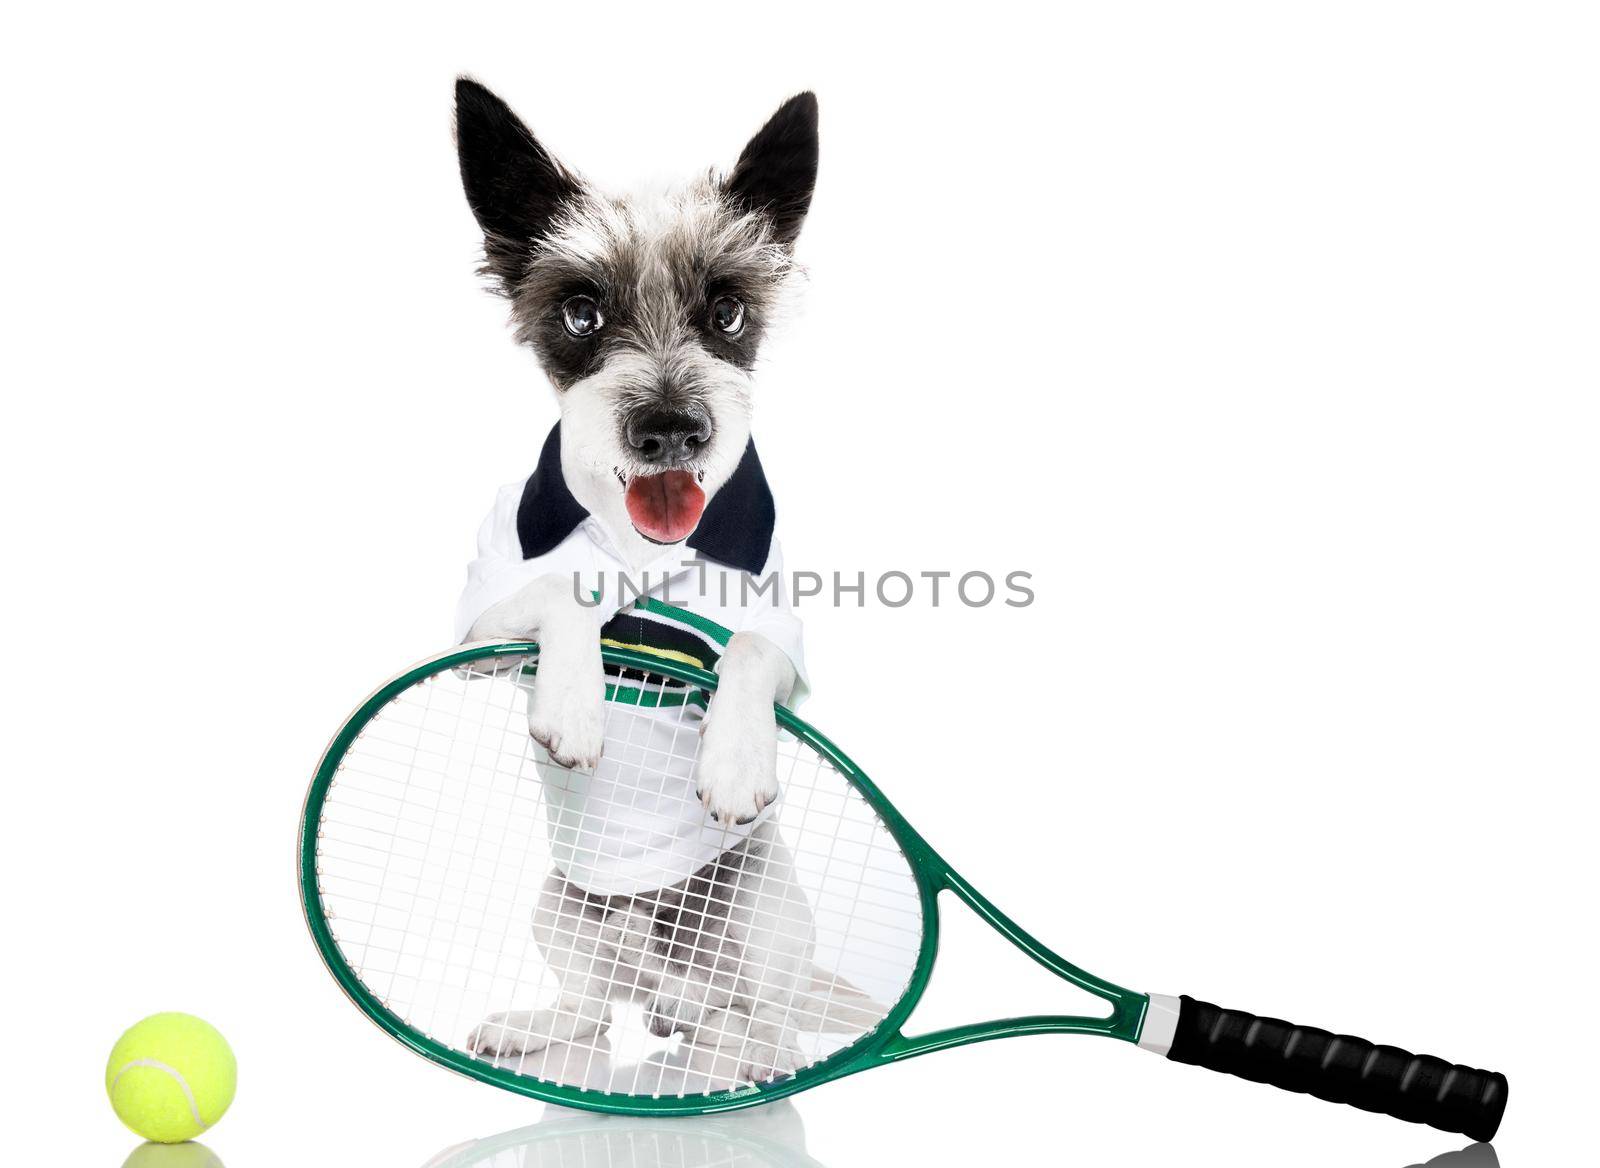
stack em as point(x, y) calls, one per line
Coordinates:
point(634, 824)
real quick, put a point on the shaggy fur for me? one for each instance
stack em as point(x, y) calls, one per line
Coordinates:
point(656, 261)
point(677, 290)
point(655, 264)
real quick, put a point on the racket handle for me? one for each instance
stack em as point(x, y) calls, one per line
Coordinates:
point(1340, 1069)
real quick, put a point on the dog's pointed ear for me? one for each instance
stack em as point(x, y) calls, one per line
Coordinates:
point(778, 169)
point(513, 185)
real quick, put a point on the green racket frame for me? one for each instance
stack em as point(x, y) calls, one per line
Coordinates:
point(884, 1044)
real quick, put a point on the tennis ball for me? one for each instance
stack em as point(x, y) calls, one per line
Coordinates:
point(170, 1077)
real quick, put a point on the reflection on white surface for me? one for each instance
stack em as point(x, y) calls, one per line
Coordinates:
point(772, 1136)
point(762, 1137)
point(1472, 1156)
point(188, 1155)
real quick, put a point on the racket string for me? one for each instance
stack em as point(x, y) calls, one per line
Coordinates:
point(435, 849)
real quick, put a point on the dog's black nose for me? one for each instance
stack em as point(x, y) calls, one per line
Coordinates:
point(668, 437)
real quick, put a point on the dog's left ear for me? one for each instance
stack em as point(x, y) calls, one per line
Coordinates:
point(778, 169)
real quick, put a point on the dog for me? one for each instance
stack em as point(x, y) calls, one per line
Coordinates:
point(646, 312)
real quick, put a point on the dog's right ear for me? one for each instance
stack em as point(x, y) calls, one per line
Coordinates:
point(778, 169)
point(513, 185)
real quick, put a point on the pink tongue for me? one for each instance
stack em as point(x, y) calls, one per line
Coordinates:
point(665, 507)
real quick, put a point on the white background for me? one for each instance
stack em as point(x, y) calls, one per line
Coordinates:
point(1263, 335)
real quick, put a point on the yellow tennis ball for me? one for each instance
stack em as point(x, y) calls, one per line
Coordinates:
point(171, 1077)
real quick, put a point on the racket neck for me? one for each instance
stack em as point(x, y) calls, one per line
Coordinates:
point(1123, 1021)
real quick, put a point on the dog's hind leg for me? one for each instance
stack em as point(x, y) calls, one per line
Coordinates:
point(704, 948)
point(687, 993)
point(699, 967)
point(569, 927)
point(747, 1029)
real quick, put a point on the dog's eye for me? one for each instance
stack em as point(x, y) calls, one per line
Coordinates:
point(581, 315)
point(727, 314)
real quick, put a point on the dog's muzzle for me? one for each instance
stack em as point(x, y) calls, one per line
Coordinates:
point(664, 438)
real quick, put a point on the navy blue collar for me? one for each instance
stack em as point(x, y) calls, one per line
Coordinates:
point(736, 528)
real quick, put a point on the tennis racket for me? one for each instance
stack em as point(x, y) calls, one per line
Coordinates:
point(433, 851)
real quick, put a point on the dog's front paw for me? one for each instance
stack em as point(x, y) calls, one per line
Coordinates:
point(509, 1033)
point(737, 773)
point(762, 1061)
point(566, 714)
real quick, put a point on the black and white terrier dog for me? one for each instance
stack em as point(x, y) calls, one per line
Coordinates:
point(647, 312)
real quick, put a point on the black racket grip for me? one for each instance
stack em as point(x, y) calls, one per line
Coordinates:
point(1340, 1069)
